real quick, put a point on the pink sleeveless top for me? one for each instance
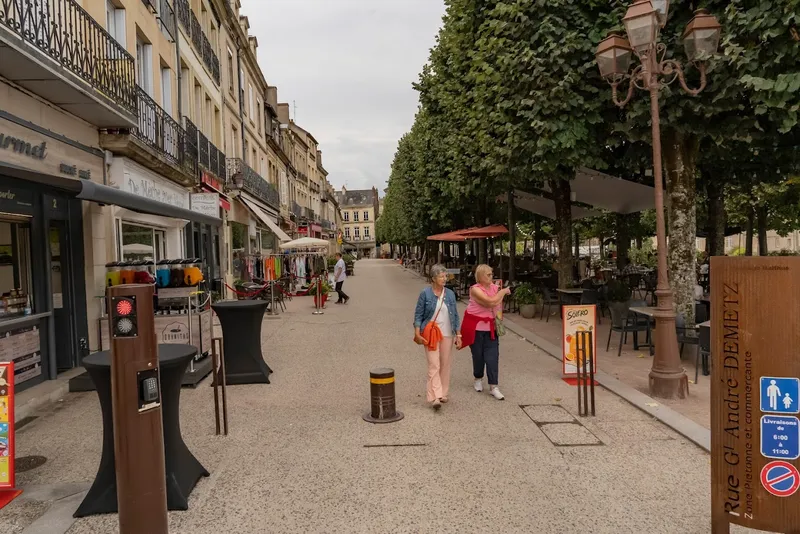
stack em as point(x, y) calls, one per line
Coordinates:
point(477, 310)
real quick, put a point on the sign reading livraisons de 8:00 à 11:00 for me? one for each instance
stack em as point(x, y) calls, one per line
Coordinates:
point(755, 431)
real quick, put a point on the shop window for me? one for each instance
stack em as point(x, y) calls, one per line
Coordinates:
point(16, 286)
point(138, 243)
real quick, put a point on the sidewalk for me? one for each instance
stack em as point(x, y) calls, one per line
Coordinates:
point(300, 459)
point(633, 366)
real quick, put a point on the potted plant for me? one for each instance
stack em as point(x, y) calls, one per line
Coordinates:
point(618, 295)
point(527, 299)
point(324, 289)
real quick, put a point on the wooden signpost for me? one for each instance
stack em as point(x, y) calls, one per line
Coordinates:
point(755, 390)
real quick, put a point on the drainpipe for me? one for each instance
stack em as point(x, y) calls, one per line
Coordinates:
point(241, 94)
point(178, 70)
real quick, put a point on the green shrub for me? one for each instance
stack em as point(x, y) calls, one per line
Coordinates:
point(525, 294)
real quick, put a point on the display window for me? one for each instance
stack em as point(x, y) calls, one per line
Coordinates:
point(137, 242)
point(16, 286)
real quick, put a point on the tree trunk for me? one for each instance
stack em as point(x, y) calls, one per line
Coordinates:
point(623, 240)
point(537, 239)
point(761, 217)
point(563, 222)
point(680, 164)
point(512, 235)
point(748, 243)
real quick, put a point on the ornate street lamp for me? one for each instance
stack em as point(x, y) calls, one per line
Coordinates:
point(642, 23)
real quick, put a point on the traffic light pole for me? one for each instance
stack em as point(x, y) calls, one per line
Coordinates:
point(136, 411)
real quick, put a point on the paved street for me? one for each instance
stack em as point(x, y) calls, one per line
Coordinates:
point(300, 459)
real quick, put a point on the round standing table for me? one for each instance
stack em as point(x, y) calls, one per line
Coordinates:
point(183, 470)
point(241, 334)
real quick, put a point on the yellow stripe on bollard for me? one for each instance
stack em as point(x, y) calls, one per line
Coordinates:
point(381, 380)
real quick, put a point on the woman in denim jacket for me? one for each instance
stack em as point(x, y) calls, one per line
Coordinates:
point(440, 359)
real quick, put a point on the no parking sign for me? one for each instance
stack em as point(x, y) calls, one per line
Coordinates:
point(780, 478)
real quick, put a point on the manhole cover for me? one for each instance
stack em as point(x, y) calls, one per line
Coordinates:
point(548, 413)
point(26, 463)
point(569, 434)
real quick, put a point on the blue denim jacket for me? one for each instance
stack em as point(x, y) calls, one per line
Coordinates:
point(426, 307)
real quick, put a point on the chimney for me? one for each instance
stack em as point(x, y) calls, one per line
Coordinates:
point(272, 96)
point(283, 113)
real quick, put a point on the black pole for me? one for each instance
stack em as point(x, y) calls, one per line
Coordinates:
point(512, 234)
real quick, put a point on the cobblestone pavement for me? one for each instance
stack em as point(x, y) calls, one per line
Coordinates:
point(300, 459)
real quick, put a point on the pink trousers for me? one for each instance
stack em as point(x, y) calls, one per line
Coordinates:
point(439, 369)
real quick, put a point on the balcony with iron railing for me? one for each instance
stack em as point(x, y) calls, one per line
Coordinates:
point(56, 50)
point(302, 177)
point(167, 17)
point(209, 157)
point(158, 142)
point(326, 225)
point(197, 36)
point(296, 210)
point(308, 213)
point(241, 177)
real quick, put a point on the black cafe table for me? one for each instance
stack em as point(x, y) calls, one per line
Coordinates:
point(241, 334)
point(182, 468)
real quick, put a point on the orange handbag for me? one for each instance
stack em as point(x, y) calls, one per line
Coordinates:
point(432, 333)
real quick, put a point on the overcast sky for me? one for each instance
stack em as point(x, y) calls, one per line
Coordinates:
point(348, 65)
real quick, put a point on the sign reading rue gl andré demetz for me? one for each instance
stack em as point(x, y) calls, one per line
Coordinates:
point(755, 431)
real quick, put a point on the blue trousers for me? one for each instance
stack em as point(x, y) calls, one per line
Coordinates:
point(485, 353)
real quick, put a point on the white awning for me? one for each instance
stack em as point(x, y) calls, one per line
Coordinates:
point(543, 206)
point(266, 219)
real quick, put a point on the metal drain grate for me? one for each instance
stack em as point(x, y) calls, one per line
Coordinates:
point(396, 445)
point(24, 421)
point(560, 426)
point(27, 463)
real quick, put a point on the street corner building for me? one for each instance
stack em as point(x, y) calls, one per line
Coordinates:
point(160, 147)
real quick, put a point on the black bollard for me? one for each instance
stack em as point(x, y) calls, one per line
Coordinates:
point(381, 389)
point(585, 365)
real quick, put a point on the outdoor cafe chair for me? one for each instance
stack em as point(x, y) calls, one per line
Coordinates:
point(703, 353)
point(548, 299)
point(687, 335)
point(626, 323)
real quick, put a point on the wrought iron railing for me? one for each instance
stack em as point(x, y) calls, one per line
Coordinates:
point(158, 130)
point(67, 33)
point(190, 149)
point(199, 40)
point(308, 213)
point(183, 9)
point(167, 16)
point(209, 157)
point(241, 176)
point(296, 210)
point(303, 177)
point(326, 225)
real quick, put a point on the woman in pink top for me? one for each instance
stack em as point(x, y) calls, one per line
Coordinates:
point(478, 329)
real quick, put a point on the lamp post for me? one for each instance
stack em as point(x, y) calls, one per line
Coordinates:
point(614, 55)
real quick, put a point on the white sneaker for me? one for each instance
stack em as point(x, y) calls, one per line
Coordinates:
point(494, 391)
point(479, 385)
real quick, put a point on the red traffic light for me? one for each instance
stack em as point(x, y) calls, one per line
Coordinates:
point(124, 307)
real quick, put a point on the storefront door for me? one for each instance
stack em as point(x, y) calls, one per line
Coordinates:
point(60, 276)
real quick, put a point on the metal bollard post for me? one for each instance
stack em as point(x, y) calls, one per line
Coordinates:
point(381, 389)
point(585, 366)
point(218, 368)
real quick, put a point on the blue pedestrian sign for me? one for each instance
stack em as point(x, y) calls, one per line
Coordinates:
point(780, 394)
point(780, 437)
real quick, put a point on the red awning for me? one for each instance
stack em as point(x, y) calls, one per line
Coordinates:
point(471, 233)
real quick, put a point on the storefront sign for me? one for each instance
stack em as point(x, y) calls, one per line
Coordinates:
point(206, 203)
point(30, 149)
point(16, 201)
point(139, 181)
point(575, 319)
point(7, 426)
point(755, 434)
point(211, 182)
point(316, 228)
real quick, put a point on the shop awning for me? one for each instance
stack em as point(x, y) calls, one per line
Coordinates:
point(103, 194)
point(471, 233)
point(266, 219)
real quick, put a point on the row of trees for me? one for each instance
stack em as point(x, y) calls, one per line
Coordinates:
point(511, 98)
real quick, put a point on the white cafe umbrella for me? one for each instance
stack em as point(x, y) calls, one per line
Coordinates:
point(305, 243)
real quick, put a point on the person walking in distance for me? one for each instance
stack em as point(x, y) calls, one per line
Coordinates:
point(437, 328)
point(479, 331)
point(340, 275)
